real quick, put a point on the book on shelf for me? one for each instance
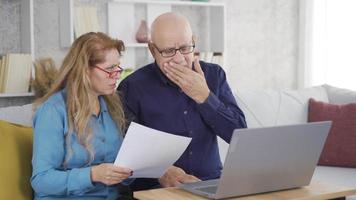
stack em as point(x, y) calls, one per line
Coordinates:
point(212, 57)
point(1, 73)
point(218, 58)
point(209, 56)
point(15, 73)
point(85, 20)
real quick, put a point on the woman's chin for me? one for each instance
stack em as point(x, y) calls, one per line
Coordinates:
point(108, 92)
point(112, 91)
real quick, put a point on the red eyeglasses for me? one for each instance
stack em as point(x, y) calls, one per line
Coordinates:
point(111, 72)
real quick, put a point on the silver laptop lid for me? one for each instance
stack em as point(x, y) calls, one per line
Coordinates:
point(271, 158)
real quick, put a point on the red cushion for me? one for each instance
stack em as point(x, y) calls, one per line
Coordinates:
point(340, 146)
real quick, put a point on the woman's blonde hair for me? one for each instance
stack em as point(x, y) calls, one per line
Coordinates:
point(86, 51)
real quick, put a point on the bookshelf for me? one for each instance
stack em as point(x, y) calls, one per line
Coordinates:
point(26, 43)
point(16, 99)
point(208, 23)
point(123, 18)
point(9, 95)
point(27, 28)
point(135, 45)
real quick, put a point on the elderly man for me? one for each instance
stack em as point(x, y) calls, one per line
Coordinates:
point(183, 96)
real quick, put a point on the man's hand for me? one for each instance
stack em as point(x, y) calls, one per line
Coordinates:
point(175, 176)
point(192, 82)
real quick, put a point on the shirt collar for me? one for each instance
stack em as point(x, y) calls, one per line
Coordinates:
point(103, 106)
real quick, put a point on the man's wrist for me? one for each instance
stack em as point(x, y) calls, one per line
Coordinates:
point(203, 98)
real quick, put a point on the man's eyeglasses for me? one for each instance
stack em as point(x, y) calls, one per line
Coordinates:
point(166, 53)
point(111, 70)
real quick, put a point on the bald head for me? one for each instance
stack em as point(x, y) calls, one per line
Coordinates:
point(170, 25)
point(169, 32)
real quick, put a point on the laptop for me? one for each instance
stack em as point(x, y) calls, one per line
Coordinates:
point(266, 159)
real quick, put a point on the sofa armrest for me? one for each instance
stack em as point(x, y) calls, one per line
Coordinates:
point(17, 114)
point(340, 96)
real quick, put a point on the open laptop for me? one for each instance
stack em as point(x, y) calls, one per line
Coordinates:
point(266, 159)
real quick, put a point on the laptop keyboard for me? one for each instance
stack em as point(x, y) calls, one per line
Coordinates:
point(208, 189)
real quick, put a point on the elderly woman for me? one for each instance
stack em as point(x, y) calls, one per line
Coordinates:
point(78, 125)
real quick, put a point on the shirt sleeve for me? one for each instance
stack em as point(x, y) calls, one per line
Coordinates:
point(130, 101)
point(127, 181)
point(48, 178)
point(220, 111)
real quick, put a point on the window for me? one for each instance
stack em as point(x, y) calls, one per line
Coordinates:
point(332, 47)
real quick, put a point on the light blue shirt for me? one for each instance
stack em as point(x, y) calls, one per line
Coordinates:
point(50, 180)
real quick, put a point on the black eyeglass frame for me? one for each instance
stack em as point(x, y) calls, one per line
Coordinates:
point(175, 50)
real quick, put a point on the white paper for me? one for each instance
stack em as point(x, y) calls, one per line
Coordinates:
point(149, 152)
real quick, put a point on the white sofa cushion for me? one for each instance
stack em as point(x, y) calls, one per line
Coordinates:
point(17, 114)
point(271, 107)
point(340, 96)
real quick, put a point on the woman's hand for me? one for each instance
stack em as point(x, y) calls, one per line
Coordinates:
point(109, 173)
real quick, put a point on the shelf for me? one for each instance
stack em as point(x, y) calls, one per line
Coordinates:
point(66, 27)
point(133, 45)
point(26, 94)
point(175, 3)
point(207, 17)
point(27, 28)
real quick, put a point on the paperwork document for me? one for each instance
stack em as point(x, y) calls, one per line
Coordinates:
point(149, 152)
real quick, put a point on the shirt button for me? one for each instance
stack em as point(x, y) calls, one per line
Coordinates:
point(190, 132)
point(103, 140)
point(190, 152)
point(185, 112)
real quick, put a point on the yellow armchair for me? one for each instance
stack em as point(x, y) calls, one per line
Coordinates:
point(15, 157)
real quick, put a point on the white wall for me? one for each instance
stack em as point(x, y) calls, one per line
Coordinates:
point(9, 26)
point(262, 43)
point(262, 38)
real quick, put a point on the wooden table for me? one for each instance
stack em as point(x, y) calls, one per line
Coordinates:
point(315, 191)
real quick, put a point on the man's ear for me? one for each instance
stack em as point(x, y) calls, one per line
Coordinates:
point(194, 39)
point(152, 48)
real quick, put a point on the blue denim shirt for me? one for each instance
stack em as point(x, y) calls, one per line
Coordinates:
point(154, 101)
point(50, 180)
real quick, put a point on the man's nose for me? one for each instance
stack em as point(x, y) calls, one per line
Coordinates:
point(178, 57)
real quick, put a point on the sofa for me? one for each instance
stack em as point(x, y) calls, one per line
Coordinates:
point(15, 152)
point(272, 107)
point(261, 107)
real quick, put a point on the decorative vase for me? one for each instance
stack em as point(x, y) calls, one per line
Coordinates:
point(142, 35)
